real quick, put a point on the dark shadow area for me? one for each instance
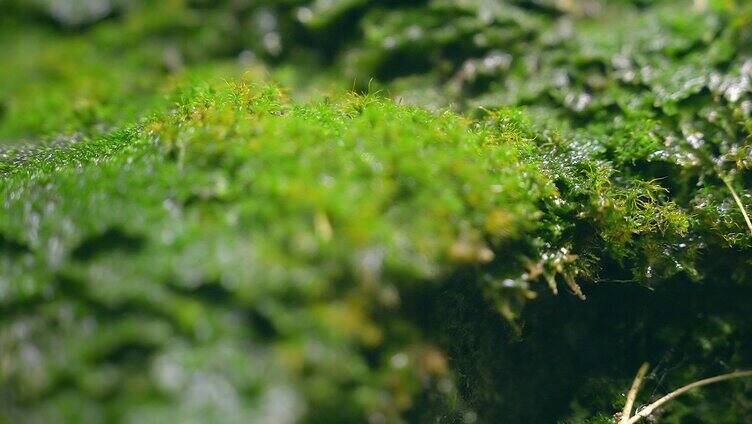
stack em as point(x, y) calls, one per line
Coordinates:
point(12, 247)
point(109, 241)
point(569, 347)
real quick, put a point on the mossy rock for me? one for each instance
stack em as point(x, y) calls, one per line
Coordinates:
point(214, 251)
point(242, 251)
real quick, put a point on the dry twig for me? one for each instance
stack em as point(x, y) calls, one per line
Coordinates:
point(738, 203)
point(645, 412)
point(632, 395)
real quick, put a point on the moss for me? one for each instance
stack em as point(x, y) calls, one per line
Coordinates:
point(372, 259)
point(245, 227)
point(240, 204)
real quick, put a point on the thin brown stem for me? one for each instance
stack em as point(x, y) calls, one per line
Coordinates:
point(626, 413)
point(738, 201)
point(645, 412)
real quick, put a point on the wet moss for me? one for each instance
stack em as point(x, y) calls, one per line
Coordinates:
point(373, 260)
point(329, 222)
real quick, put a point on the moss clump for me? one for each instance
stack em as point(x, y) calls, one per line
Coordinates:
point(302, 238)
point(372, 260)
point(299, 220)
point(242, 252)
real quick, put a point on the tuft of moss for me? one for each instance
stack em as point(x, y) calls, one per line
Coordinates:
point(142, 271)
point(152, 245)
point(298, 237)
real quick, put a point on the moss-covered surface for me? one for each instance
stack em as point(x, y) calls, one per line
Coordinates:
point(178, 241)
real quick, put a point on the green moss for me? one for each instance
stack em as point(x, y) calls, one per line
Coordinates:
point(314, 219)
point(154, 242)
point(243, 226)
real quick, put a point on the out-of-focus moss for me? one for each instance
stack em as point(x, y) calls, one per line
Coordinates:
point(148, 245)
point(73, 85)
point(243, 257)
point(294, 237)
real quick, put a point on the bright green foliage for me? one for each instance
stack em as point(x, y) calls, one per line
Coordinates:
point(299, 238)
point(242, 253)
point(209, 252)
point(74, 85)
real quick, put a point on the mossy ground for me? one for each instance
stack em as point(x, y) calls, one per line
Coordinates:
point(182, 238)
